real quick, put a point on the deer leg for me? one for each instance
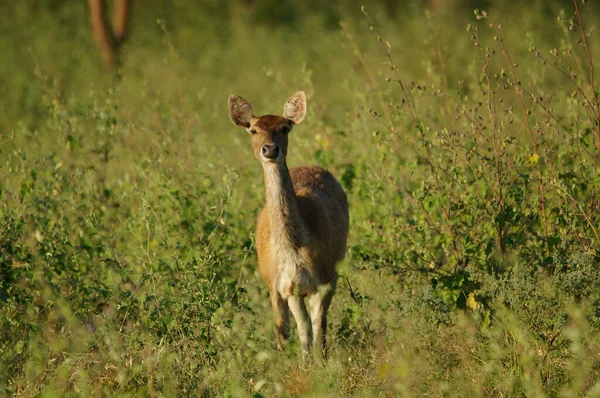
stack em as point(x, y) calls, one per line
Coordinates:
point(319, 304)
point(120, 18)
point(282, 321)
point(298, 308)
point(102, 35)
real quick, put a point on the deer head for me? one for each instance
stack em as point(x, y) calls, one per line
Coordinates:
point(269, 132)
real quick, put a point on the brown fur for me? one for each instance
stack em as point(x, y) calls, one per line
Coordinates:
point(302, 230)
point(323, 209)
point(109, 39)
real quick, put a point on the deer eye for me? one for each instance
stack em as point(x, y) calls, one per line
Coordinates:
point(253, 131)
point(285, 130)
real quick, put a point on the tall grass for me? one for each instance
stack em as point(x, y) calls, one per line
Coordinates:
point(468, 145)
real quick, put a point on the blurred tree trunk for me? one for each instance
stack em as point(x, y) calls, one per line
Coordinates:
point(109, 39)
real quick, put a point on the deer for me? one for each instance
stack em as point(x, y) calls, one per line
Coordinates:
point(109, 39)
point(302, 231)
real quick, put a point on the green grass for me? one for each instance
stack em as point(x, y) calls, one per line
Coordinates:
point(470, 154)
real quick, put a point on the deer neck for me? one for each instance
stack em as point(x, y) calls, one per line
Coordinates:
point(286, 226)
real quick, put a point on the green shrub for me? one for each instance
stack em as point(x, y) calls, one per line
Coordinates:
point(470, 158)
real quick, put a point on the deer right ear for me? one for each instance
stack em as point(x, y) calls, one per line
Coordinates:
point(240, 111)
point(294, 108)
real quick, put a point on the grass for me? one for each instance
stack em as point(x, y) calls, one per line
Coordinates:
point(468, 145)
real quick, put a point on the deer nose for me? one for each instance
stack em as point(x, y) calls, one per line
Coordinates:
point(270, 151)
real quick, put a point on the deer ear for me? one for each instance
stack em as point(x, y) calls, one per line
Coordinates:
point(240, 111)
point(294, 108)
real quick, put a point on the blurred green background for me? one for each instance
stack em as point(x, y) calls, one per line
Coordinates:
point(53, 39)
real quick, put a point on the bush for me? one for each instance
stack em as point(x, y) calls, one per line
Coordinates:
point(470, 159)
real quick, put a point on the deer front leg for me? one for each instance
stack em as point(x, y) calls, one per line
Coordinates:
point(282, 320)
point(100, 30)
point(120, 17)
point(319, 304)
point(298, 308)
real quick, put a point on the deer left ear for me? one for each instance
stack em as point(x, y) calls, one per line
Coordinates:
point(240, 111)
point(294, 108)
